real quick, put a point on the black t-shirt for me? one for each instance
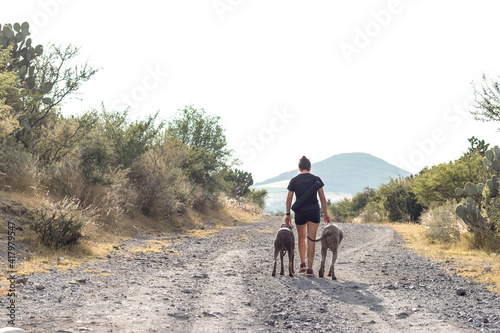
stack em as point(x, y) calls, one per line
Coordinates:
point(299, 184)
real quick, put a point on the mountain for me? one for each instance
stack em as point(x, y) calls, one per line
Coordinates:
point(343, 174)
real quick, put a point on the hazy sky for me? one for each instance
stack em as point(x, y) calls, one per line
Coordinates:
point(289, 78)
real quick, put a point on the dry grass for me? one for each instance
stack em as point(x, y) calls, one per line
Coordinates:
point(267, 231)
point(459, 257)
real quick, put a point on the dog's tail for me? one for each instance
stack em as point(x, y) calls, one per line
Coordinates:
point(314, 240)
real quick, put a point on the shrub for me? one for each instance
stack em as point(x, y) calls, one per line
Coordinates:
point(399, 201)
point(66, 179)
point(370, 214)
point(204, 138)
point(59, 224)
point(258, 197)
point(112, 200)
point(159, 181)
point(278, 213)
point(201, 198)
point(341, 210)
point(239, 182)
point(18, 169)
point(443, 225)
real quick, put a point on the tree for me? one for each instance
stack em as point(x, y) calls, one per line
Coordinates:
point(205, 138)
point(436, 185)
point(361, 199)
point(128, 139)
point(115, 143)
point(476, 145)
point(399, 200)
point(342, 209)
point(239, 182)
point(54, 80)
point(258, 197)
point(487, 101)
point(62, 136)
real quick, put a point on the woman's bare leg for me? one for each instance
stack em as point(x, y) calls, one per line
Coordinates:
point(312, 228)
point(301, 231)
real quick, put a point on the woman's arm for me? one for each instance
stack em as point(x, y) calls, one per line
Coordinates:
point(288, 219)
point(322, 198)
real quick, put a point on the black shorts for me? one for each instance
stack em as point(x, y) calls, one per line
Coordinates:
point(310, 215)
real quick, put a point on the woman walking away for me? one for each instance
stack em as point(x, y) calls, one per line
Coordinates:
point(306, 186)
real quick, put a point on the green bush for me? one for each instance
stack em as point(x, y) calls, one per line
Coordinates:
point(436, 185)
point(18, 169)
point(278, 213)
point(60, 224)
point(257, 197)
point(442, 224)
point(239, 182)
point(64, 178)
point(399, 201)
point(205, 140)
point(342, 210)
point(370, 214)
point(159, 181)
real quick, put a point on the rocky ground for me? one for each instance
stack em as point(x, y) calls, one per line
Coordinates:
point(223, 283)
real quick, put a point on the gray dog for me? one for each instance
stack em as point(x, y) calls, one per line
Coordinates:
point(284, 242)
point(330, 239)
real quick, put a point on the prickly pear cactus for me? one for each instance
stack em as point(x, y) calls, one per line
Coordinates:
point(479, 198)
point(469, 209)
point(492, 160)
point(23, 52)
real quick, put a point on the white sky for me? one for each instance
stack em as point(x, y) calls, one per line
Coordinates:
point(276, 72)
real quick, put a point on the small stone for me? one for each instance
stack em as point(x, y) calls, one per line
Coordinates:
point(40, 287)
point(402, 315)
point(61, 259)
point(201, 276)
point(461, 292)
point(488, 269)
point(271, 323)
point(390, 286)
point(181, 315)
point(116, 247)
point(22, 280)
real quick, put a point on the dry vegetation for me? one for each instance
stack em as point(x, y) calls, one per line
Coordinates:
point(460, 256)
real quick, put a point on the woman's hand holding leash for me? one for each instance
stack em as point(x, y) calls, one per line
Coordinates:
point(288, 220)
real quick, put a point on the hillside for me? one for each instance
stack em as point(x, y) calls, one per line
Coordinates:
point(343, 175)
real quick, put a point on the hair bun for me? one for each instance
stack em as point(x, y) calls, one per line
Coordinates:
point(304, 163)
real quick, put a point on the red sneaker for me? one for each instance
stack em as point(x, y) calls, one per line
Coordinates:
point(302, 267)
point(310, 272)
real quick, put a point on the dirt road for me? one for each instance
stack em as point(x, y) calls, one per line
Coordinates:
point(223, 283)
